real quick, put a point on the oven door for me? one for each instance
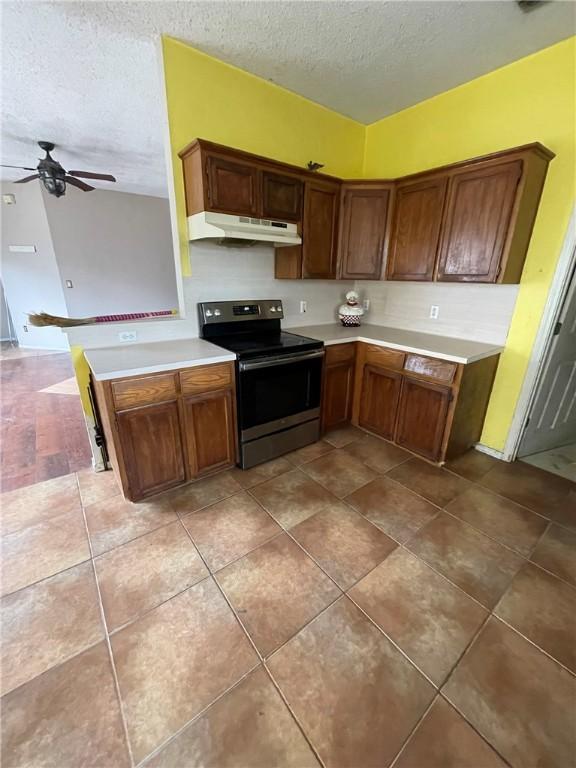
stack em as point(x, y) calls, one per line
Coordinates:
point(279, 392)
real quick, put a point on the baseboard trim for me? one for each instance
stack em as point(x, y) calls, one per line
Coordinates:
point(490, 452)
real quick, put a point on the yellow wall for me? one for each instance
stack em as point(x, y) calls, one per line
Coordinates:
point(532, 99)
point(212, 100)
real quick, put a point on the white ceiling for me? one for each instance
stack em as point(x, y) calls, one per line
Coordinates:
point(85, 74)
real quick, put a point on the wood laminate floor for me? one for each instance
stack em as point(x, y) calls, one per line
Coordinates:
point(42, 433)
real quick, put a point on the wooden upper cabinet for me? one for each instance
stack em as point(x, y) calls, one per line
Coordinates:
point(232, 186)
point(416, 229)
point(422, 417)
point(281, 197)
point(321, 203)
point(363, 231)
point(477, 222)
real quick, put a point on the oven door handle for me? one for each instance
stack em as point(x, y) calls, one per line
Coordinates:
point(253, 365)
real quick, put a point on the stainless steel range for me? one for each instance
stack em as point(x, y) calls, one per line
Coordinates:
point(278, 376)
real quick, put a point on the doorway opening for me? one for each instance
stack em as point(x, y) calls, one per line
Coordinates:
point(548, 438)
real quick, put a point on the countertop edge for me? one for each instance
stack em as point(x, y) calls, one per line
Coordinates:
point(417, 350)
point(160, 368)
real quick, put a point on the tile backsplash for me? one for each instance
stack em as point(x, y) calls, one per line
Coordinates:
point(476, 312)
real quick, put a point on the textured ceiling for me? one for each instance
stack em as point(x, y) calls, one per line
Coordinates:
point(85, 74)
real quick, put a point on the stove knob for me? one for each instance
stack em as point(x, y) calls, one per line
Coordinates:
point(272, 309)
point(208, 313)
point(217, 312)
point(279, 308)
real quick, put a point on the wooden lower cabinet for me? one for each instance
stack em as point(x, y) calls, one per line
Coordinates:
point(422, 414)
point(151, 447)
point(209, 431)
point(431, 407)
point(163, 430)
point(379, 402)
point(337, 396)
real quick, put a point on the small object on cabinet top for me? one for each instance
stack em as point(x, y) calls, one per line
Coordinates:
point(350, 314)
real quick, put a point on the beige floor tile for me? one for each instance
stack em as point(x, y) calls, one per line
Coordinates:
point(550, 495)
point(481, 567)
point(41, 550)
point(276, 590)
point(556, 551)
point(543, 609)
point(355, 695)
point(433, 483)
point(175, 661)
point(309, 452)
point(342, 436)
point(97, 486)
point(376, 453)
point(47, 623)
point(145, 572)
point(431, 620)
point(229, 529)
point(499, 518)
point(203, 492)
point(249, 726)
point(472, 465)
point(343, 543)
point(293, 497)
point(445, 740)
point(115, 521)
point(393, 508)
point(520, 700)
point(339, 472)
point(69, 716)
point(248, 478)
point(38, 503)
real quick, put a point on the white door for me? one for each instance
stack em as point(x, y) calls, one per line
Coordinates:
point(552, 418)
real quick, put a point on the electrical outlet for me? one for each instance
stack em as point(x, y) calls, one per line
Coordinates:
point(303, 307)
point(366, 304)
point(128, 336)
point(434, 311)
point(25, 328)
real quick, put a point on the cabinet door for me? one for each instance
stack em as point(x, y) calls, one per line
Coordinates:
point(363, 233)
point(232, 186)
point(320, 229)
point(422, 417)
point(210, 432)
point(281, 197)
point(337, 395)
point(478, 214)
point(379, 400)
point(152, 448)
point(416, 229)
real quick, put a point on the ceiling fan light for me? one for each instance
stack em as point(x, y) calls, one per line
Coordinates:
point(54, 185)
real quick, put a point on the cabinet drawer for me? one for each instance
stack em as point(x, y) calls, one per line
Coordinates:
point(430, 367)
point(129, 393)
point(388, 358)
point(340, 353)
point(206, 378)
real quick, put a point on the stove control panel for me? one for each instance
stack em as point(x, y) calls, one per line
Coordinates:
point(233, 311)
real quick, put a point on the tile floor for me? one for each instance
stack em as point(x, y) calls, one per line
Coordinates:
point(560, 461)
point(348, 605)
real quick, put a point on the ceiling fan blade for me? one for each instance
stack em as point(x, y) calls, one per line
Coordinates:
point(78, 183)
point(21, 167)
point(28, 178)
point(90, 175)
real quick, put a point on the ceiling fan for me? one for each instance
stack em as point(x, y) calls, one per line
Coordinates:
point(54, 177)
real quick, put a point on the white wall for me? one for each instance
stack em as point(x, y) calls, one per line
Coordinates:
point(476, 312)
point(116, 248)
point(31, 280)
point(5, 327)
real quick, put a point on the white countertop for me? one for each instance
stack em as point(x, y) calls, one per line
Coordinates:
point(443, 347)
point(132, 359)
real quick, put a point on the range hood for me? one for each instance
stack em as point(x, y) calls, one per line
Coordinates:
point(241, 230)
